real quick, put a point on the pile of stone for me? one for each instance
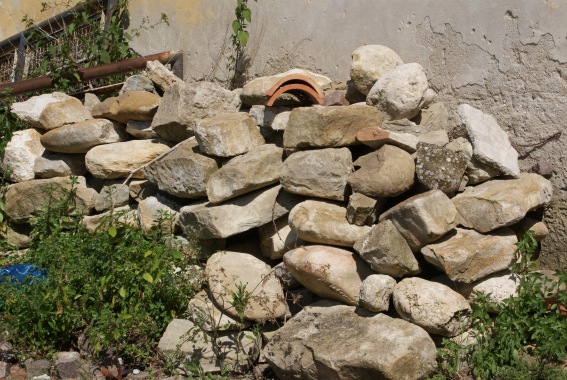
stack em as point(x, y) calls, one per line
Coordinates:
point(360, 229)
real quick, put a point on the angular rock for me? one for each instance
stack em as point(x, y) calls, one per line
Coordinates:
point(102, 109)
point(119, 159)
point(158, 209)
point(538, 228)
point(477, 172)
point(277, 238)
point(438, 137)
point(435, 116)
point(184, 104)
point(370, 63)
point(501, 203)
point(39, 368)
point(497, 286)
point(376, 137)
point(161, 75)
point(114, 193)
point(286, 278)
point(227, 134)
point(280, 121)
point(376, 292)
point(386, 251)
point(329, 272)
point(140, 130)
point(17, 162)
point(408, 126)
point(254, 92)
point(324, 223)
point(439, 168)
point(466, 256)
point(134, 105)
point(265, 117)
point(237, 215)
point(431, 305)
point(491, 145)
point(91, 100)
point(142, 189)
point(322, 127)
point(329, 341)
point(388, 172)
point(16, 235)
point(81, 137)
point(423, 218)
point(363, 210)
point(319, 173)
point(400, 93)
point(335, 98)
point(64, 112)
point(137, 83)
point(125, 215)
point(208, 316)
point(183, 172)
point(51, 165)
point(227, 271)
point(258, 168)
point(24, 198)
point(30, 110)
point(68, 365)
point(237, 349)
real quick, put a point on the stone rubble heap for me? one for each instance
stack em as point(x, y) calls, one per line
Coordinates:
point(366, 205)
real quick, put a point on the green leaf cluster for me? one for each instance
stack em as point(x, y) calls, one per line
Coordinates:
point(119, 287)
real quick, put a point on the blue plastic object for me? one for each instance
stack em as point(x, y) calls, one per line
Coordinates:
point(22, 273)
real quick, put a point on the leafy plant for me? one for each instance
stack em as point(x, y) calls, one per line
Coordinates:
point(119, 287)
point(239, 40)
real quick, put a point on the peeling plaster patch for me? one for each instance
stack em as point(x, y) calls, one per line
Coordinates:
point(467, 76)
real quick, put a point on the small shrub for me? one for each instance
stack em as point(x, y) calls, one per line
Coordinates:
point(119, 287)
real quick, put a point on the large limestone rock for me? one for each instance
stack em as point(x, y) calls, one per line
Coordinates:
point(400, 93)
point(491, 145)
point(423, 218)
point(236, 215)
point(158, 209)
point(114, 193)
point(227, 134)
point(24, 198)
point(81, 137)
point(206, 314)
point(330, 341)
point(329, 272)
point(161, 75)
point(439, 168)
point(319, 173)
point(321, 127)
point(134, 105)
point(254, 92)
point(183, 104)
point(376, 292)
point(227, 271)
point(432, 306)
point(497, 286)
point(388, 172)
point(324, 223)
point(500, 203)
point(66, 111)
point(386, 251)
point(51, 165)
point(30, 110)
point(119, 159)
point(370, 63)
point(467, 256)
point(277, 238)
point(18, 160)
point(183, 172)
point(236, 349)
point(258, 168)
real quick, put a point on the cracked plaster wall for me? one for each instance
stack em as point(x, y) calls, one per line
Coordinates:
point(506, 57)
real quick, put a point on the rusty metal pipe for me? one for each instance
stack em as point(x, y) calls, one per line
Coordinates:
point(45, 82)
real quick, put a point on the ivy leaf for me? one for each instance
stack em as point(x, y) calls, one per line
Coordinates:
point(70, 28)
point(122, 292)
point(247, 14)
point(243, 37)
point(148, 253)
point(148, 277)
point(235, 26)
point(176, 255)
point(112, 231)
point(104, 56)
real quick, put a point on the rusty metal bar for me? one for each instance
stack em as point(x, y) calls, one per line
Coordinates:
point(45, 82)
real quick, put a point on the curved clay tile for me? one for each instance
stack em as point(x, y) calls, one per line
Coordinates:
point(295, 83)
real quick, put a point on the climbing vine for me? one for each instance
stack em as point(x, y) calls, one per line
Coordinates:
point(239, 39)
